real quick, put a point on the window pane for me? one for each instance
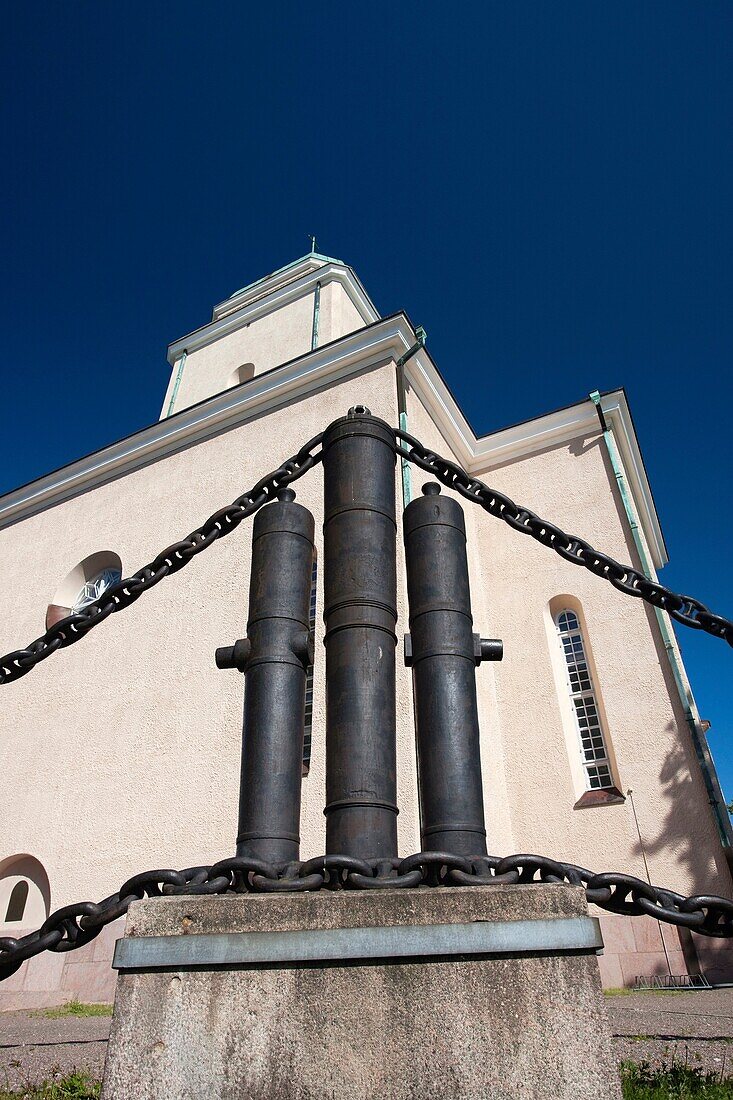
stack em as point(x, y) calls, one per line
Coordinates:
point(593, 752)
point(94, 588)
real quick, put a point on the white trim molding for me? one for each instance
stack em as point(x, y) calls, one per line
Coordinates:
point(378, 343)
point(357, 352)
point(479, 454)
point(268, 283)
point(618, 415)
point(271, 294)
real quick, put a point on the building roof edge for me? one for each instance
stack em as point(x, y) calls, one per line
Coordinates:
point(252, 305)
point(383, 338)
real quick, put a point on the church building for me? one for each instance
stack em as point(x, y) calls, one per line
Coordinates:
point(121, 753)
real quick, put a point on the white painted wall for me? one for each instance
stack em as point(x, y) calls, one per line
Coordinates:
point(122, 752)
point(514, 580)
point(267, 341)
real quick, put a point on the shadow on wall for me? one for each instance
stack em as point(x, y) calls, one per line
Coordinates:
point(675, 832)
point(675, 835)
point(240, 375)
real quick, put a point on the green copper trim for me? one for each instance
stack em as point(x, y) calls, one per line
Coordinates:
point(421, 337)
point(406, 477)
point(177, 383)
point(316, 316)
point(684, 690)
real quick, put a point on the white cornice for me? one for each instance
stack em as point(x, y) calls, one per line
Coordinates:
point(480, 454)
point(333, 362)
point(267, 301)
point(534, 435)
point(274, 281)
point(380, 342)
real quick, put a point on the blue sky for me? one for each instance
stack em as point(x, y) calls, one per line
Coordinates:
point(551, 181)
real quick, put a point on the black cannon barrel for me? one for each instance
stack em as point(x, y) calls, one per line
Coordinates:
point(274, 656)
point(360, 611)
point(443, 652)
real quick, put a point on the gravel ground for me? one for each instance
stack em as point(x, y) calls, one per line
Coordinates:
point(33, 1048)
point(692, 1027)
point(696, 1028)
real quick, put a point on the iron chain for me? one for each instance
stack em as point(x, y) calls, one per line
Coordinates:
point(684, 609)
point(120, 595)
point(76, 925)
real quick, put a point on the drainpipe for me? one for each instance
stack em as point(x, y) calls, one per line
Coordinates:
point(684, 690)
point(316, 316)
point(421, 337)
point(176, 384)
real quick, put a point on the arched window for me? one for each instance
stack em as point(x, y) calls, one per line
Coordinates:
point(86, 582)
point(593, 749)
point(25, 895)
point(92, 589)
point(241, 374)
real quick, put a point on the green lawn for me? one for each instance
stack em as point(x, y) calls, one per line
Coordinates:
point(639, 1081)
point(75, 1086)
point(74, 1008)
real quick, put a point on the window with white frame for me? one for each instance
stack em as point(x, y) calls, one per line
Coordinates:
point(593, 751)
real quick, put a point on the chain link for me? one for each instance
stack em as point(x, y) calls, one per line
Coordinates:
point(120, 595)
point(684, 609)
point(76, 925)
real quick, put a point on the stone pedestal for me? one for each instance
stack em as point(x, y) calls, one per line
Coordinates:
point(455, 993)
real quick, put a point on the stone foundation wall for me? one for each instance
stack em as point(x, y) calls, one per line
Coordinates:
point(633, 947)
point(52, 979)
point(278, 1017)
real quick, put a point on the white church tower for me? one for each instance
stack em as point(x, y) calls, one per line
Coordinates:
point(311, 302)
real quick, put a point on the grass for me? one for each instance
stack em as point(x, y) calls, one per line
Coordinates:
point(74, 1008)
point(672, 1082)
point(639, 1080)
point(73, 1086)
